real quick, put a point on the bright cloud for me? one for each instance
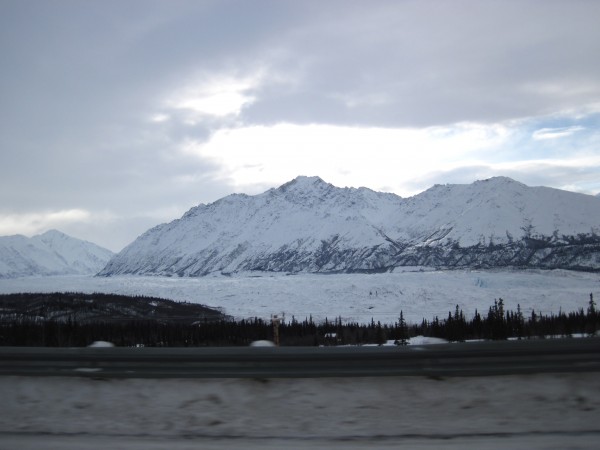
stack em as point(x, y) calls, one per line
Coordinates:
point(559, 166)
point(381, 158)
point(32, 223)
point(159, 118)
point(400, 160)
point(216, 96)
point(555, 133)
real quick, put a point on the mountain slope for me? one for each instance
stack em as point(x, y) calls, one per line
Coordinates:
point(308, 225)
point(51, 253)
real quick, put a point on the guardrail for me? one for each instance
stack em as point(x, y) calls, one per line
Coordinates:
point(464, 359)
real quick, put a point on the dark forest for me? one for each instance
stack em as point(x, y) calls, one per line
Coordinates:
point(75, 320)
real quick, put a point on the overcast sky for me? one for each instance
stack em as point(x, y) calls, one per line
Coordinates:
point(118, 115)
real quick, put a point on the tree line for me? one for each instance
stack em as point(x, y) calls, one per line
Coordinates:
point(496, 324)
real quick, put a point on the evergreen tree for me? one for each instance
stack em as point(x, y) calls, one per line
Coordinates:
point(592, 305)
point(402, 338)
point(519, 322)
point(379, 334)
point(592, 317)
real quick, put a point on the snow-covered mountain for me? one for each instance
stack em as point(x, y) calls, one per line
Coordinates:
point(51, 253)
point(308, 225)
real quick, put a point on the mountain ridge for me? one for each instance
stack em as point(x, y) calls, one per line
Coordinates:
point(50, 253)
point(309, 225)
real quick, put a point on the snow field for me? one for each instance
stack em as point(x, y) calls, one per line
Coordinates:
point(355, 297)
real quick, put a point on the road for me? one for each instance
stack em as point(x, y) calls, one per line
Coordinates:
point(464, 359)
point(489, 395)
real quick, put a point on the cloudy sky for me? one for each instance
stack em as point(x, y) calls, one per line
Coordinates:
point(117, 115)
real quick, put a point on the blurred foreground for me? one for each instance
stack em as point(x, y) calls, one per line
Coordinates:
point(550, 411)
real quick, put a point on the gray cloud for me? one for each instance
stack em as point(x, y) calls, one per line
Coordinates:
point(81, 82)
point(441, 62)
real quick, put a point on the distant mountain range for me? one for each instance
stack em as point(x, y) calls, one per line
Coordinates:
point(308, 225)
point(51, 253)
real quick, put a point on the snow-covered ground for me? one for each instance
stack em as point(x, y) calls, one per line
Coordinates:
point(419, 294)
point(550, 411)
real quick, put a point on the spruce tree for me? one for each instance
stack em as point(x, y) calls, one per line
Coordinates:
point(402, 331)
point(592, 317)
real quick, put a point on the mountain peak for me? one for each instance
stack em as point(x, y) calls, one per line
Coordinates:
point(500, 180)
point(50, 253)
point(304, 182)
point(54, 234)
